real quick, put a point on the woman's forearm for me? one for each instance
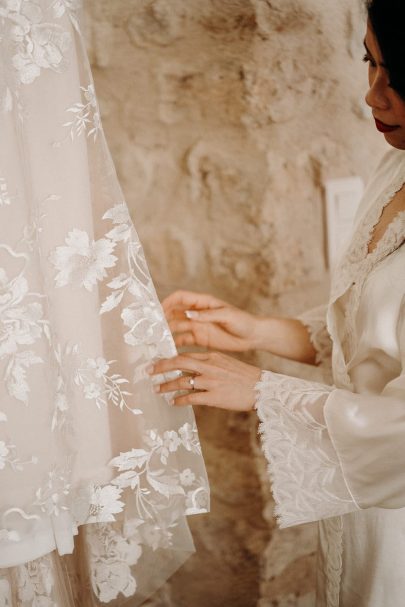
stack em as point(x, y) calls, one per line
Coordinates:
point(285, 337)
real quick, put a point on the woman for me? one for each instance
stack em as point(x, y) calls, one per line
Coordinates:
point(336, 453)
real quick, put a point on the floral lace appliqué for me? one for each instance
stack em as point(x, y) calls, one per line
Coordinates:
point(308, 484)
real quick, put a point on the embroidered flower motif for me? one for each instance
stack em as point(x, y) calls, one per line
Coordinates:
point(104, 503)
point(20, 324)
point(187, 477)
point(102, 387)
point(38, 44)
point(82, 261)
point(189, 437)
point(111, 577)
point(146, 324)
point(35, 581)
point(156, 536)
point(140, 470)
point(109, 580)
point(92, 391)
point(46, 47)
point(171, 440)
point(99, 365)
point(119, 214)
point(135, 458)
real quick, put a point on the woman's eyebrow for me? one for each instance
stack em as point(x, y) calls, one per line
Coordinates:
point(382, 64)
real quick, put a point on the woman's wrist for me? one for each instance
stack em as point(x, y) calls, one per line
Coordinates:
point(266, 334)
point(285, 337)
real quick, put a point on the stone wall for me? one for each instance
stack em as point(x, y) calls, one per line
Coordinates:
point(224, 118)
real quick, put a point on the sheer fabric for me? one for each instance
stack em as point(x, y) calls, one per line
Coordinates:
point(93, 464)
point(336, 452)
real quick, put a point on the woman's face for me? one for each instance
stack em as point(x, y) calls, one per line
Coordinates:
point(387, 106)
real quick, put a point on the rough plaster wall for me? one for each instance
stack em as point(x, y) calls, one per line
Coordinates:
point(224, 118)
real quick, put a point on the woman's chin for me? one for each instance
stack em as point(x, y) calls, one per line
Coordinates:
point(396, 139)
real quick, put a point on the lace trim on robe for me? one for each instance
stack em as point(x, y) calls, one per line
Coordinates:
point(307, 479)
point(357, 263)
point(315, 322)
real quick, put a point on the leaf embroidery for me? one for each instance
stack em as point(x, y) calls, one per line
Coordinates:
point(85, 115)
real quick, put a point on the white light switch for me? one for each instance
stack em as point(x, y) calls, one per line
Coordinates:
point(342, 199)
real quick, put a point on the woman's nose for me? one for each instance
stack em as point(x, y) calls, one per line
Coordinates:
point(376, 96)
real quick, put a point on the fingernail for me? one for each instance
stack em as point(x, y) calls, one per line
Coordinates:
point(191, 314)
point(149, 369)
point(156, 389)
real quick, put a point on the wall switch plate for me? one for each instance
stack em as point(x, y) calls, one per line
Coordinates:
point(342, 200)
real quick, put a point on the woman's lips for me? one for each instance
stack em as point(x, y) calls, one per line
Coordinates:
point(385, 128)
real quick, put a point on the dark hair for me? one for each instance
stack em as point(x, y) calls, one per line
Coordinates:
point(387, 18)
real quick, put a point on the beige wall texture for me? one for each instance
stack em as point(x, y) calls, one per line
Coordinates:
point(224, 118)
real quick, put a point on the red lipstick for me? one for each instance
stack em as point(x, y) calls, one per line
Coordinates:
point(385, 128)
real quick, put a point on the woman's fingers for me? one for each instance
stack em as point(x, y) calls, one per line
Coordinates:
point(189, 333)
point(195, 399)
point(185, 339)
point(185, 382)
point(181, 326)
point(207, 363)
point(215, 380)
point(180, 301)
point(190, 364)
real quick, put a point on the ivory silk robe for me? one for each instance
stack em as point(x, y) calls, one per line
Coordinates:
point(337, 453)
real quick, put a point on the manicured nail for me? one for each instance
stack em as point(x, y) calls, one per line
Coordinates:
point(149, 369)
point(191, 314)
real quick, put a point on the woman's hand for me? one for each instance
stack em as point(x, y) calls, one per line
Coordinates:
point(199, 319)
point(213, 379)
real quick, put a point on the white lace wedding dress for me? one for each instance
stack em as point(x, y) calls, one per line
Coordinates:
point(337, 453)
point(97, 473)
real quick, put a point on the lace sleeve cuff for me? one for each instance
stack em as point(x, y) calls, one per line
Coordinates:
point(315, 322)
point(307, 480)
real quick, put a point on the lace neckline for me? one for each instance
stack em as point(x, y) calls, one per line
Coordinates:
point(358, 261)
point(355, 266)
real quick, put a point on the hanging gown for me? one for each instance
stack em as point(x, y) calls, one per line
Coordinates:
point(97, 473)
point(337, 453)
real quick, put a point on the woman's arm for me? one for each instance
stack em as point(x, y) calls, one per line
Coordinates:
point(286, 337)
point(199, 319)
point(330, 451)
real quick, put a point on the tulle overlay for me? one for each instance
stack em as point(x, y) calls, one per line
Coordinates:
point(97, 473)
